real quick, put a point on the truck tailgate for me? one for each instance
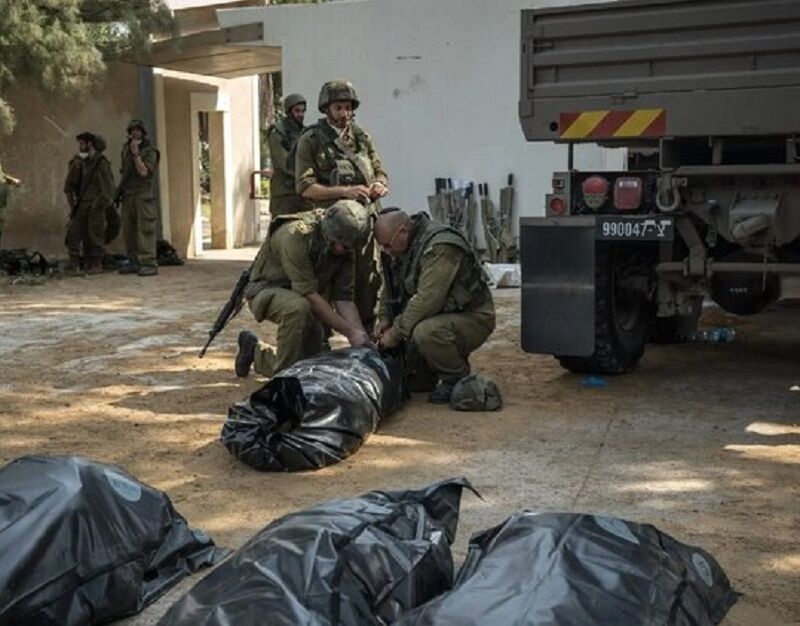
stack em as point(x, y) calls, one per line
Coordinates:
point(643, 69)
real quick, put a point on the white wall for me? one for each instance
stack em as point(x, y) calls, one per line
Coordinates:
point(439, 86)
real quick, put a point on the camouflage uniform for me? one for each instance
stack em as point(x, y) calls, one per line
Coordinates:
point(295, 261)
point(90, 186)
point(447, 310)
point(139, 206)
point(282, 137)
point(319, 160)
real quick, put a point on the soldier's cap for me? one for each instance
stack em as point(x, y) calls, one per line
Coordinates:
point(84, 136)
point(346, 222)
point(136, 123)
point(476, 393)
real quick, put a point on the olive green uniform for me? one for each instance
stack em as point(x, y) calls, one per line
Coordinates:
point(138, 205)
point(90, 186)
point(295, 261)
point(446, 306)
point(320, 160)
point(283, 198)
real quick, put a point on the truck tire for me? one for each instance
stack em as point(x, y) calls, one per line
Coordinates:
point(623, 312)
point(677, 328)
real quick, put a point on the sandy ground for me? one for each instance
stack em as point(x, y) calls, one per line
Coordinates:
point(702, 441)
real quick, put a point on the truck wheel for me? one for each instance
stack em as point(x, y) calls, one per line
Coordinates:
point(624, 310)
point(677, 328)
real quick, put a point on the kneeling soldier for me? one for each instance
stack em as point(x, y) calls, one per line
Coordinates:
point(446, 307)
point(305, 264)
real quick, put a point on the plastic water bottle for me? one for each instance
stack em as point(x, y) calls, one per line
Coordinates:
point(718, 334)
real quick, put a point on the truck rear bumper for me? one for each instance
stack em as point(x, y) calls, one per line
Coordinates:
point(558, 285)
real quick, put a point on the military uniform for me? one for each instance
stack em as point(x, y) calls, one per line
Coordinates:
point(138, 205)
point(295, 261)
point(90, 186)
point(321, 160)
point(447, 310)
point(283, 197)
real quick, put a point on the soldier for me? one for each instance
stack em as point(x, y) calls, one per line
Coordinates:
point(282, 137)
point(336, 160)
point(304, 265)
point(6, 182)
point(445, 305)
point(89, 187)
point(139, 162)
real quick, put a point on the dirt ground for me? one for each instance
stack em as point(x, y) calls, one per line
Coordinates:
point(703, 440)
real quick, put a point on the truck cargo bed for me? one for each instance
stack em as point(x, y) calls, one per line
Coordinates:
point(637, 70)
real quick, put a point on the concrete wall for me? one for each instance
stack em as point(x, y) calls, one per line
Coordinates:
point(439, 85)
point(44, 141)
point(234, 126)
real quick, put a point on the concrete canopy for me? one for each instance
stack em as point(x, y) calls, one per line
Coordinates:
point(223, 52)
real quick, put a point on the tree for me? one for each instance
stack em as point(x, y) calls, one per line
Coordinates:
point(63, 45)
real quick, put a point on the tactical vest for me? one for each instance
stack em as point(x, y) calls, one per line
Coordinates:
point(288, 132)
point(258, 280)
point(131, 181)
point(346, 171)
point(470, 287)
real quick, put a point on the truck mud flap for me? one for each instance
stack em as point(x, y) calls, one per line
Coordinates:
point(558, 285)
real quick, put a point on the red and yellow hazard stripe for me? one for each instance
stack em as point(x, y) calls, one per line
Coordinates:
point(613, 124)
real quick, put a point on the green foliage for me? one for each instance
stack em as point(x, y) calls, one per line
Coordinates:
point(63, 45)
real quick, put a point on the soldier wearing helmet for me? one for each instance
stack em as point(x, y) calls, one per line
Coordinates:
point(440, 290)
point(89, 187)
point(282, 137)
point(302, 280)
point(336, 160)
point(135, 191)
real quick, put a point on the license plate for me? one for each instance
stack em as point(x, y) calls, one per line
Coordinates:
point(644, 228)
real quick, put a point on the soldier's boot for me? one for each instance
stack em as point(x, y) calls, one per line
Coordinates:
point(94, 265)
point(73, 267)
point(246, 354)
point(130, 267)
point(442, 393)
point(147, 270)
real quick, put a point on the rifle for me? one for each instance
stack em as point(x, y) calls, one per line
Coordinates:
point(230, 310)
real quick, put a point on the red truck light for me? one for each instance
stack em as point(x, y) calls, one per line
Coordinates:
point(627, 193)
point(595, 191)
point(556, 205)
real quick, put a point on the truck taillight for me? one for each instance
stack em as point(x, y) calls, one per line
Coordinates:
point(595, 191)
point(556, 205)
point(627, 193)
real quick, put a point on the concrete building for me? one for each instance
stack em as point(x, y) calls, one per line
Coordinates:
point(439, 85)
point(190, 88)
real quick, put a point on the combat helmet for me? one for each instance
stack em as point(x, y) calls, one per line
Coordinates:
point(476, 393)
point(335, 90)
point(346, 222)
point(293, 99)
point(137, 123)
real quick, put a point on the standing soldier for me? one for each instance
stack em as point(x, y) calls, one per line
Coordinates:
point(89, 187)
point(302, 280)
point(282, 137)
point(6, 182)
point(139, 161)
point(445, 305)
point(336, 160)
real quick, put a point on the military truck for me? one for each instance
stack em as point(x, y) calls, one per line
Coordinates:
point(705, 97)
